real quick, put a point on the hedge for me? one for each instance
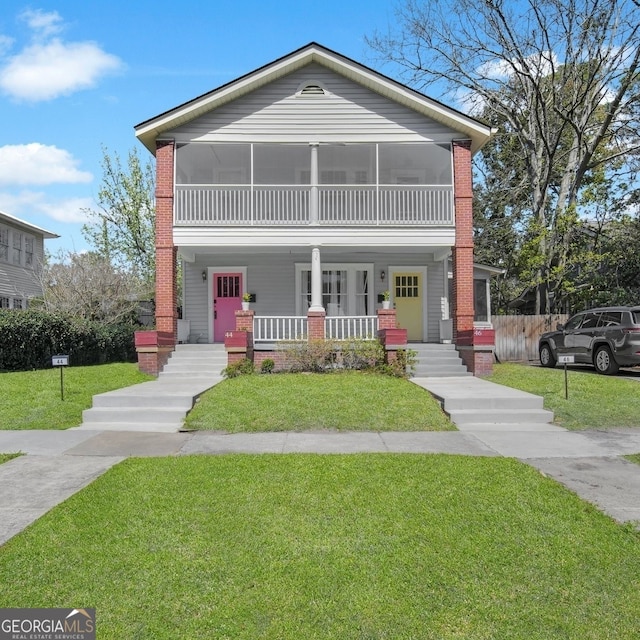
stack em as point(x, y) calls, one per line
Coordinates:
point(29, 338)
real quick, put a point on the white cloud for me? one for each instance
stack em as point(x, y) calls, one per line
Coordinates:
point(35, 163)
point(44, 24)
point(49, 67)
point(5, 44)
point(25, 203)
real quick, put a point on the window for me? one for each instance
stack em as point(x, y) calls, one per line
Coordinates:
point(281, 164)
point(18, 303)
point(590, 321)
point(574, 323)
point(480, 301)
point(415, 164)
point(228, 164)
point(4, 243)
point(611, 319)
point(4, 303)
point(17, 247)
point(406, 287)
point(28, 250)
point(346, 289)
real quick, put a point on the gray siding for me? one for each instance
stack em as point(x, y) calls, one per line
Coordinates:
point(350, 113)
point(272, 278)
point(18, 281)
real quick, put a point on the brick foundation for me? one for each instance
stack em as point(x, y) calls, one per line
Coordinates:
point(153, 349)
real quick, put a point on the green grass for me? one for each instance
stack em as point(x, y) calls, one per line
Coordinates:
point(5, 457)
point(296, 402)
point(330, 547)
point(634, 458)
point(595, 401)
point(31, 399)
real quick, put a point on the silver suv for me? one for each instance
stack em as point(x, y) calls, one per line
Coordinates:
point(608, 338)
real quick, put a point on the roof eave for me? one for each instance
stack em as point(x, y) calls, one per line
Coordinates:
point(153, 129)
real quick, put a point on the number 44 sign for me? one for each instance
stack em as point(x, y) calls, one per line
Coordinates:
point(60, 361)
point(565, 359)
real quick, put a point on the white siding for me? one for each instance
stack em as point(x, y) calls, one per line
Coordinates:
point(350, 112)
point(272, 278)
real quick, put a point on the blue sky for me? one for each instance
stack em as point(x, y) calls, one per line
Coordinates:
point(76, 75)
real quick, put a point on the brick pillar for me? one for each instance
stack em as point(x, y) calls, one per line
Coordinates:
point(315, 325)
point(463, 249)
point(386, 319)
point(166, 252)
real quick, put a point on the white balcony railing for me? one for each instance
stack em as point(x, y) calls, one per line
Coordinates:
point(344, 327)
point(276, 328)
point(290, 205)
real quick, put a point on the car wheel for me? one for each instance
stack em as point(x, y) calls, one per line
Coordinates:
point(603, 361)
point(547, 359)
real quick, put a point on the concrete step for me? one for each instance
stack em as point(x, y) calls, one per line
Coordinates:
point(500, 416)
point(153, 427)
point(491, 402)
point(432, 369)
point(510, 426)
point(160, 401)
point(144, 415)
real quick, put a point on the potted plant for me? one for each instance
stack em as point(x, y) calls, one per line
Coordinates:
point(386, 302)
point(246, 299)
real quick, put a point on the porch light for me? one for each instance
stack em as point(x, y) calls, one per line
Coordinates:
point(383, 275)
point(204, 276)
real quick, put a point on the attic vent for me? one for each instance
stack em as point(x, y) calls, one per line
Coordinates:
point(312, 90)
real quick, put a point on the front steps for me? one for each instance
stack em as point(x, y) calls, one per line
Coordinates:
point(474, 404)
point(437, 360)
point(161, 404)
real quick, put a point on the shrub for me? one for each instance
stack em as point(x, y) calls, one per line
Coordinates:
point(240, 368)
point(267, 365)
point(360, 354)
point(29, 338)
point(315, 356)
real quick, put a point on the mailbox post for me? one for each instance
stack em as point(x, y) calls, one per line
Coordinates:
point(61, 362)
point(565, 360)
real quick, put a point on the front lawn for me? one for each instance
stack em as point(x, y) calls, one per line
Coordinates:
point(31, 399)
point(330, 547)
point(350, 401)
point(595, 401)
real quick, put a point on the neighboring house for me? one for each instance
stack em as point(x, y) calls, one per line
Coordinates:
point(315, 184)
point(21, 258)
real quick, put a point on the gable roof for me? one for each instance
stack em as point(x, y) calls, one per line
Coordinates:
point(475, 130)
point(27, 226)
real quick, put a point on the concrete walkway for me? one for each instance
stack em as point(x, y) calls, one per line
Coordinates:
point(59, 463)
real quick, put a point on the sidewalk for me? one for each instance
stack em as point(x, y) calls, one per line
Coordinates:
point(59, 463)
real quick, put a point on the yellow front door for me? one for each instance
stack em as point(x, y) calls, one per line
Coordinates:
point(407, 297)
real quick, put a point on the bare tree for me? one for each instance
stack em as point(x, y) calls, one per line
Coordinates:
point(88, 286)
point(560, 75)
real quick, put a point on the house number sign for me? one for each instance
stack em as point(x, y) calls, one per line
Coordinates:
point(60, 361)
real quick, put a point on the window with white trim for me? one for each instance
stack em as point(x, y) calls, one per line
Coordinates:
point(17, 247)
point(4, 303)
point(4, 244)
point(29, 243)
point(346, 289)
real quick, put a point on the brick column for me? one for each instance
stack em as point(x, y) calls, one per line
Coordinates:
point(475, 346)
point(166, 252)
point(315, 325)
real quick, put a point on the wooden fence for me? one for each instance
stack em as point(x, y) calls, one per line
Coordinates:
point(517, 336)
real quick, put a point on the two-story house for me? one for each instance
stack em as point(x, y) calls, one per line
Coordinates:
point(315, 184)
point(21, 257)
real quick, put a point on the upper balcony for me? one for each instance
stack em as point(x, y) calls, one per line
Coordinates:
point(370, 184)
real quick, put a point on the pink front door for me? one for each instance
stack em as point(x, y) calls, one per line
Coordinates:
point(227, 299)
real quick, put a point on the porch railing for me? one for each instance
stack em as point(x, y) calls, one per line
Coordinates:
point(344, 327)
point(276, 328)
point(244, 205)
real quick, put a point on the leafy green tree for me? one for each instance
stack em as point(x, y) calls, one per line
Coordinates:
point(122, 230)
point(560, 77)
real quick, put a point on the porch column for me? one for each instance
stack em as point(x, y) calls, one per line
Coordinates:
point(313, 193)
point(316, 281)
